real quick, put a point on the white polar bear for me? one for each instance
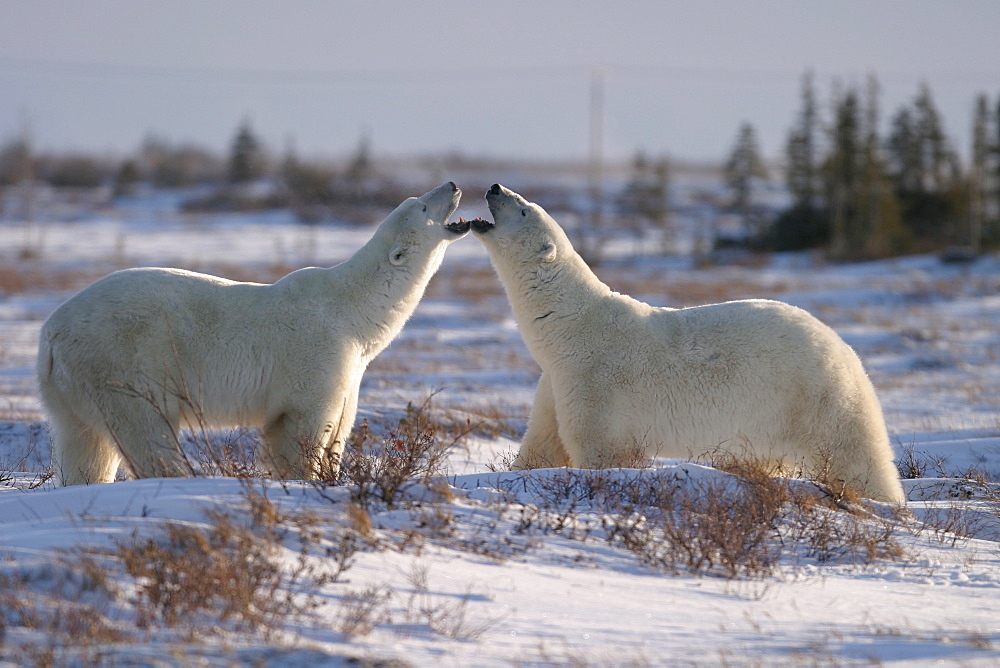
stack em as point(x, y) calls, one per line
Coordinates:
point(618, 374)
point(130, 360)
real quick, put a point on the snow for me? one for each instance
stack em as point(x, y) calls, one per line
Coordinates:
point(469, 571)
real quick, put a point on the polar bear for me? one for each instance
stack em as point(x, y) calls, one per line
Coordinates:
point(618, 374)
point(142, 353)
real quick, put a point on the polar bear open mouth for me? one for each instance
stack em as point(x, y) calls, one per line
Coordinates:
point(461, 226)
point(481, 226)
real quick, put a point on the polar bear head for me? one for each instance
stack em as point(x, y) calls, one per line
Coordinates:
point(415, 235)
point(523, 240)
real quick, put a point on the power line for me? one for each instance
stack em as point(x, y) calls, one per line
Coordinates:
point(354, 76)
point(270, 77)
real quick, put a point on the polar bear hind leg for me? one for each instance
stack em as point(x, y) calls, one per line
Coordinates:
point(861, 459)
point(848, 447)
point(82, 452)
point(82, 455)
point(542, 447)
point(147, 435)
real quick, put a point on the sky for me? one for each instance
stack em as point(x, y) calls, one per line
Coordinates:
point(483, 79)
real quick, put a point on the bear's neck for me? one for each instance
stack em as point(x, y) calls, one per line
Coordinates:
point(549, 299)
point(382, 297)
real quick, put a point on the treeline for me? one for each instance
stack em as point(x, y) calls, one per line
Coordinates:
point(859, 193)
point(249, 176)
point(857, 190)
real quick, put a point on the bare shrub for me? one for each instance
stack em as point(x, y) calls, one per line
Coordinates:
point(362, 611)
point(913, 465)
point(66, 608)
point(813, 528)
point(203, 450)
point(230, 571)
point(230, 453)
point(736, 526)
point(224, 571)
point(11, 466)
point(503, 461)
point(711, 527)
point(381, 467)
point(449, 619)
point(952, 524)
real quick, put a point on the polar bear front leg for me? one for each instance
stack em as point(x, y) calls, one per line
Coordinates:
point(589, 432)
point(542, 447)
point(305, 442)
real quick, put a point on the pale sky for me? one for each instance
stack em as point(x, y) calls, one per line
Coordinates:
point(502, 78)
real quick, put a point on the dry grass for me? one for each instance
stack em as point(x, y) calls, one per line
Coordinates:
point(67, 610)
point(681, 289)
point(380, 467)
point(230, 573)
point(257, 569)
point(742, 526)
point(193, 581)
point(17, 277)
point(474, 284)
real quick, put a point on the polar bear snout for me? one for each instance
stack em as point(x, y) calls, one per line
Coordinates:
point(481, 225)
point(461, 226)
point(497, 199)
point(441, 202)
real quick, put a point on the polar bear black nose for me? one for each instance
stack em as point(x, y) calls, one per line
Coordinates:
point(495, 190)
point(453, 186)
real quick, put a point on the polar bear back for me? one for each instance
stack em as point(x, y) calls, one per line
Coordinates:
point(690, 380)
point(229, 338)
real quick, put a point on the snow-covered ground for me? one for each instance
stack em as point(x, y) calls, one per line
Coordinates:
point(478, 567)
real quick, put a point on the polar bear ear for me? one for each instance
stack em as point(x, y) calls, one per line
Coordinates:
point(548, 252)
point(397, 255)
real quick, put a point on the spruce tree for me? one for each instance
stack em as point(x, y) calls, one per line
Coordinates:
point(843, 174)
point(645, 197)
point(246, 161)
point(925, 171)
point(979, 175)
point(742, 167)
point(805, 224)
point(802, 172)
point(879, 229)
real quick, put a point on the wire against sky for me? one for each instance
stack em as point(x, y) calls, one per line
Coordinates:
point(987, 78)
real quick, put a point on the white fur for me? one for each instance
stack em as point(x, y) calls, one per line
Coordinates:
point(617, 374)
point(130, 360)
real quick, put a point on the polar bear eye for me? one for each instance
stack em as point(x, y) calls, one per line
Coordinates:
point(425, 208)
point(524, 213)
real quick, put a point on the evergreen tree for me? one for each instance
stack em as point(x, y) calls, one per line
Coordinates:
point(360, 168)
point(992, 233)
point(742, 167)
point(645, 197)
point(979, 176)
point(246, 159)
point(925, 171)
point(842, 177)
point(802, 172)
point(805, 224)
point(880, 231)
